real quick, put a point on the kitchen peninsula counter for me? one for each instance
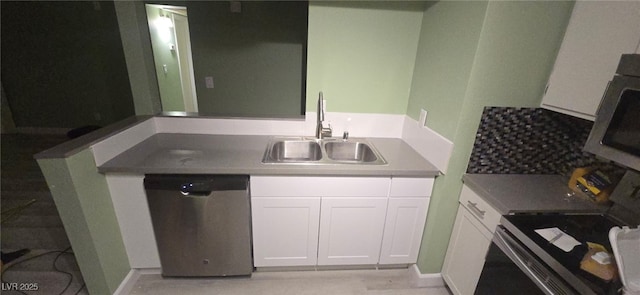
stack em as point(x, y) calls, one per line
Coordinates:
point(242, 154)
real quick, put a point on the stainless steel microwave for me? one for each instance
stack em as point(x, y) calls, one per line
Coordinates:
point(616, 130)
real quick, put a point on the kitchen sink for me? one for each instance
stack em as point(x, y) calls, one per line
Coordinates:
point(350, 151)
point(294, 151)
point(312, 151)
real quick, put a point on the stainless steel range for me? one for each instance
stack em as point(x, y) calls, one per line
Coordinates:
point(565, 266)
point(522, 261)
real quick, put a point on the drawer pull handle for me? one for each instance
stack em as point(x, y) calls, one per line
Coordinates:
point(474, 208)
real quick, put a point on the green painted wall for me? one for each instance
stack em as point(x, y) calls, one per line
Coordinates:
point(169, 83)
point(515, 54)
point(448, 42)
point(361, 56)
point(62, 64)
point(134, 28)
point(82, 197)
point(256, 58)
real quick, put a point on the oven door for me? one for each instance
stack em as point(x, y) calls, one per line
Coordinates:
point(510, 268)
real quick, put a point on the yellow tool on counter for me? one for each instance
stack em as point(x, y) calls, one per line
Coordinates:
point(591, 182)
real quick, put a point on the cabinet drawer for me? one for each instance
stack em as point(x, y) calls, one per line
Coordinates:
point(479, 208)
point(411, 187)
point(309, 186)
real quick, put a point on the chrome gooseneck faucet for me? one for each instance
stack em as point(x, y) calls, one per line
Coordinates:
point(321, 131)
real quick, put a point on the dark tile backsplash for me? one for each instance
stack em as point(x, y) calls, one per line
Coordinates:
point(531, 141)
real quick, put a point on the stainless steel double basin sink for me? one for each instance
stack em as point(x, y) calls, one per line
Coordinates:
point(311, 151)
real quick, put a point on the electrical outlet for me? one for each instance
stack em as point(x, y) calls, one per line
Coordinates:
point(423, 118)
point(209, 81)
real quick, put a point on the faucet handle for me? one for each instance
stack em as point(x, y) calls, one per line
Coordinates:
point(327, 131)
point(345, 135)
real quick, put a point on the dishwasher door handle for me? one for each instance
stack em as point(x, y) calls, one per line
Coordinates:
point(197, 194)
point(196, 189)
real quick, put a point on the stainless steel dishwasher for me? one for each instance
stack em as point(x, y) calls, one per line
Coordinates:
point(202, 223)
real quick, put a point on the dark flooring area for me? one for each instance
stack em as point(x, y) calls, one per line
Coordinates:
point(30, 221)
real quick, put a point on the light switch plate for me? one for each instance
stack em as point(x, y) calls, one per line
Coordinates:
point(209, 81)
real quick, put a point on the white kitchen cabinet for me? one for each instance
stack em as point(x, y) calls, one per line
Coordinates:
point(305, 221)
point(406, 217)
point(597, 34)
point(403, 230)
point(465, 256)
point(469, 243)
point(351, 230)
point(293, 215)
point(285, 230)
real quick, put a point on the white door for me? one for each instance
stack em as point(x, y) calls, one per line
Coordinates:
point(403, 230)
point(183, 47)
point(285, 230)
point(351, 230)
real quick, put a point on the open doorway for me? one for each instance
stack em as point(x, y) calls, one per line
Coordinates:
point(171, 45)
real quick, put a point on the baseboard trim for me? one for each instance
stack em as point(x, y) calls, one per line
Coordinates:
point(428, 280)
point(129, 281)
point(127, 284)
point(331, 267)
point(285, 268)
point(150, 271)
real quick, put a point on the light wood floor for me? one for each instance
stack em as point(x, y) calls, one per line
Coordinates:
point(339, 282)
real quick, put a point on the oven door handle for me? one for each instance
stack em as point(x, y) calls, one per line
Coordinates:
point(502, 242)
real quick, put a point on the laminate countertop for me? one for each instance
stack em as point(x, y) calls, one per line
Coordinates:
point(526, 193)
point(165, 153)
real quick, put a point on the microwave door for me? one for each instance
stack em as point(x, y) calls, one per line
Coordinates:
point(615, 135)
point(623, 132)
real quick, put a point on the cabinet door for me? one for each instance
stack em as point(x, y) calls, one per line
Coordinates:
point(351, 230)
point(285, 230)
point(597, 34)
point(466, 253)
point(403, 230)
